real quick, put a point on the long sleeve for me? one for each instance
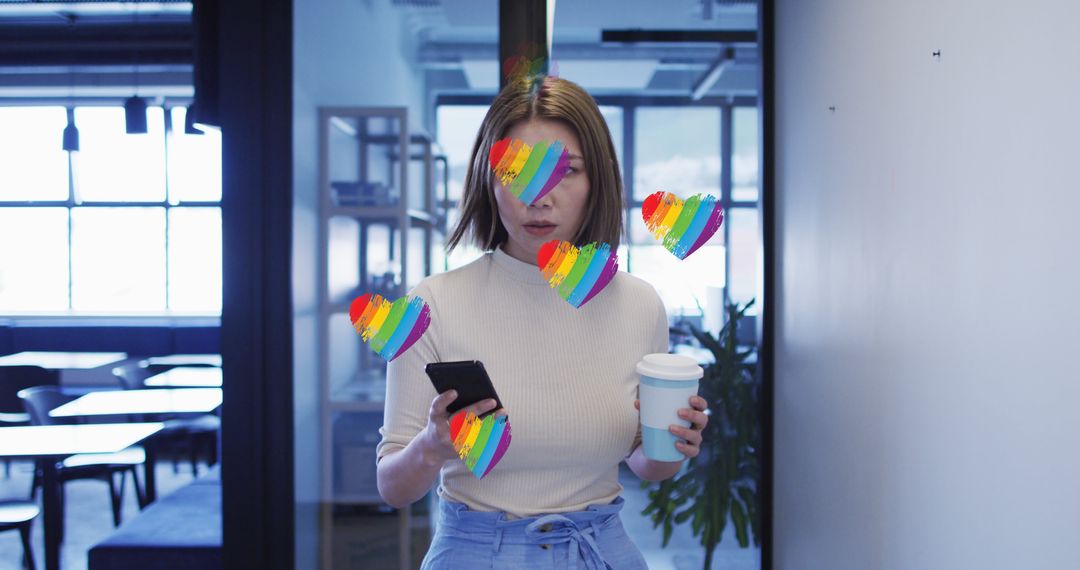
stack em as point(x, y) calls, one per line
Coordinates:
point(408, 390)
point(660, 343)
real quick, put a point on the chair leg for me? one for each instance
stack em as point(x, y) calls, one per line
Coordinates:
point(7, 468)
point(28, 552)
point(115, 497)
point(193, 443)
point(35, 483)
point(213, 450)
point(140, 492)
point(63, 509)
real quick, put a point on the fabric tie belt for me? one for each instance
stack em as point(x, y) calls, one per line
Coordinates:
point(563, 529)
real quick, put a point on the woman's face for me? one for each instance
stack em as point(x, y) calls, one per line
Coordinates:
point(560, 212)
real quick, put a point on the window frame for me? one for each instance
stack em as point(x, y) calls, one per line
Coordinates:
point(71, 204)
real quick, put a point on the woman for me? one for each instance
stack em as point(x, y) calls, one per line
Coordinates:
point(566, 375)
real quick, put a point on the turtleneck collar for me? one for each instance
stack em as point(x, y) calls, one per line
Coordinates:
point(518, 270)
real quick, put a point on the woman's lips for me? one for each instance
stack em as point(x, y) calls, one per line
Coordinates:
point(539, 230)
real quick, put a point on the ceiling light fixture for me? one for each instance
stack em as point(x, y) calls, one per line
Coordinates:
point(71, 133)
point(135, 106)
point(707, 81)
point(189, 122)
point(135, 115)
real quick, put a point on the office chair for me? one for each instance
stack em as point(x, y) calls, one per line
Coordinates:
point(39, 401)
point(13, 379)
point(193, 432)
point(19, 515)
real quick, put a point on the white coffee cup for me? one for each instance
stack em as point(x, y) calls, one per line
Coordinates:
point(667, 381)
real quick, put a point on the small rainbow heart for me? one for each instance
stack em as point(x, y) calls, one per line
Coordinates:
point(684, 226)
point(480, 443)
point(529, 172)
point(389, 328)
point(579, 274)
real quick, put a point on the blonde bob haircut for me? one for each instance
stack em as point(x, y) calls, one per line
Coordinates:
point(554, 99)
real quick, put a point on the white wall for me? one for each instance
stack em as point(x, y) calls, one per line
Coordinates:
point(927, 320)
point(346, 52)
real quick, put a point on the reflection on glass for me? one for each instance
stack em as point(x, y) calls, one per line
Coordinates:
point(194, 162)
point(33, 165)
point(343, 259)
point(680, 283)
point(345, 347)
point(33, 259)
point(677, 150)
point(465, 252)
point(116, 166)
point(118, 259)
point(744, 158)
point(415, 269)
point(378, 250)
point(195, 259)
point(639, 232)
point(744, 254)
point(458, 126)
point(613, 116)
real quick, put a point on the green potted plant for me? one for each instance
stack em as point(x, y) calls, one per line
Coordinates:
point(722, 481)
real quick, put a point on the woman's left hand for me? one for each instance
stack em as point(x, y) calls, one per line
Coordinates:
point(691, 446)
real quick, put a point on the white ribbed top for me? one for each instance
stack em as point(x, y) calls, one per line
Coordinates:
point(565, 375)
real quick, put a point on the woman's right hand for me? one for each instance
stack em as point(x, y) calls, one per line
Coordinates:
point(439, 448)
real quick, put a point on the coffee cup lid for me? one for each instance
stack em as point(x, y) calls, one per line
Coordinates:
point(670, 367)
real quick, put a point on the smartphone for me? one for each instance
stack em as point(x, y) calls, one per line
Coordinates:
point(470, 380)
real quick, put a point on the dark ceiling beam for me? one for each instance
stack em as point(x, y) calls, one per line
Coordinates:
point(522, 23)
point(446, 52)
point(680, 36)
point(97, 44)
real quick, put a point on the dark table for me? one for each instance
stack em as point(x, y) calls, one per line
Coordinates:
point(187, 377)
point(48, 445)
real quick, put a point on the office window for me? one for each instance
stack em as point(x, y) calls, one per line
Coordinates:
point(145, 222)
point(613, 116)
point(33, 166)
point(194, 163)
point(117, 259)
point(458, 127)
point(114, 166)
point(33, 258)
point(677, 149)
point(744, 157)
point(194, 255)
point(744, 254)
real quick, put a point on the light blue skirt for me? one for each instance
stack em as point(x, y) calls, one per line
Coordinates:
point(592, 539)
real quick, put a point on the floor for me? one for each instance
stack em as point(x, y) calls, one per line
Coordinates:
point(89, 514)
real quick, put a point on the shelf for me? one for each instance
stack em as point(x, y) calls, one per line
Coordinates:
point(347, 499)
point(386, 213)
point(375, 159)
point(355, 406)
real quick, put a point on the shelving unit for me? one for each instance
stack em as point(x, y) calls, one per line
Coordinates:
point(377, 234)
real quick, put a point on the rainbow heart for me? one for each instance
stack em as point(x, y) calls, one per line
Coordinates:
point(579, 274)
point(684, 226)
point(480, 443)
point(389, 328)
point(529, 172)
